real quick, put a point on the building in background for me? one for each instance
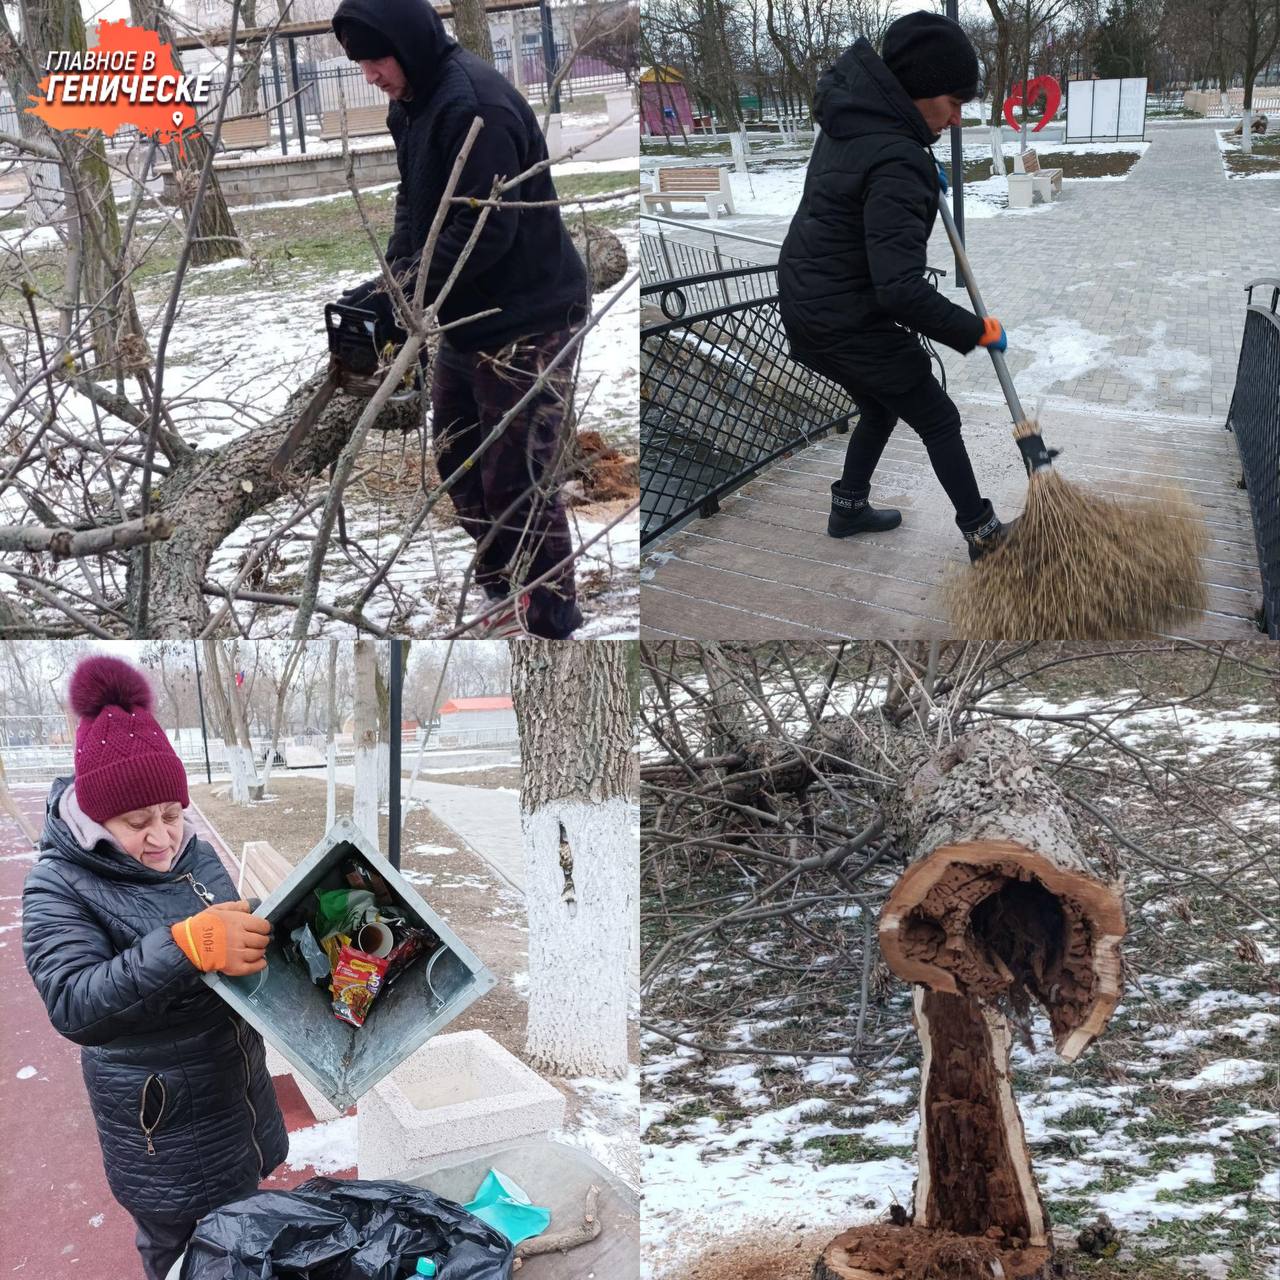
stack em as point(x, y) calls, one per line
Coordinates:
point(469, 722)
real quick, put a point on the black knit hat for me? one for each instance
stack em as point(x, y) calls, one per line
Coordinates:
point(930, 55)
point(363, 42)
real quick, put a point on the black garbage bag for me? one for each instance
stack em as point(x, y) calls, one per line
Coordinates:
point(335, 1230)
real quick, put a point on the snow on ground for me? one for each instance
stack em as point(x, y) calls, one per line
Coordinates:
point(607, 1122)
point(1169, 1126)
point(1230, 145)
point(328, 1147)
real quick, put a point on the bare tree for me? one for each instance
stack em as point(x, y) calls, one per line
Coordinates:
point(471, 27)
point(573, 708)
point(365, 800)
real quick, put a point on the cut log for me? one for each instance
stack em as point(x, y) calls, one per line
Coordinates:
point(1000, 900)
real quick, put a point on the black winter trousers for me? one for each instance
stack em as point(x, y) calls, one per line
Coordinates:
point(160, 1243)
point(509, 499)
point(930, 413)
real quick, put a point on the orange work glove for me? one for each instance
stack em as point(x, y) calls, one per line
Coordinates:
point(225, 938)
point(993, 334)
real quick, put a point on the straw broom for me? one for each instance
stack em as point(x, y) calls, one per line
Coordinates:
point(1077, 566)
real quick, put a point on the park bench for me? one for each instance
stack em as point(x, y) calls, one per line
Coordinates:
point(264, 869)
point(245, 133)
point(361, 122)
point(709, 186)
point(1030, 184)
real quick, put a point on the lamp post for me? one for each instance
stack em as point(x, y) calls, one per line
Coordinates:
point(957, 168)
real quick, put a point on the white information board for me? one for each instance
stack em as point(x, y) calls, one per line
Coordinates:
point(1102, 110)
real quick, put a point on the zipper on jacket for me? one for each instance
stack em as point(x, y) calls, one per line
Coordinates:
point(253, 1112)
point(149, 1129)
point(200, 891)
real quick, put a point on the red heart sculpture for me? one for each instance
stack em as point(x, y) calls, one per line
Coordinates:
point(1047, 85)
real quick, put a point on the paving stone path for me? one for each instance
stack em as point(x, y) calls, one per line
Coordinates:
point(1122, 293)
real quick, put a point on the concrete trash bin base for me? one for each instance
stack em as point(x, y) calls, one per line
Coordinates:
point(462, 1093)
point(294, 1015)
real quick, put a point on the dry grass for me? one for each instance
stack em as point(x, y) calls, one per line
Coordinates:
point(1083, 567)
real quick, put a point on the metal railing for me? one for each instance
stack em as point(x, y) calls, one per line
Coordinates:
point(720, 395)
point(693, 294)
point(666, 256)
point(1255, 420)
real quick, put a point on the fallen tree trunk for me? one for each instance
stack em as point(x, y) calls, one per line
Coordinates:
point(211, 493)
point(998, 906)
point(999, 899)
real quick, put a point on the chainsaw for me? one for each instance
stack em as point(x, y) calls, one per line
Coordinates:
point(361, 345)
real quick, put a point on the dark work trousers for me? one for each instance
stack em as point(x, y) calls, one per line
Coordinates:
point(508, 499)
point(160, 1243)
point(929, 412)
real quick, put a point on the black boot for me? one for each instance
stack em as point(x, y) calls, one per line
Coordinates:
point(986, 533)
point(852, 513)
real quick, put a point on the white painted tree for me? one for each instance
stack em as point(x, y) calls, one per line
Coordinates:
point(331, 746)
point(581, 859)
point(364, 809)
point(228, 715)
point(284, 682)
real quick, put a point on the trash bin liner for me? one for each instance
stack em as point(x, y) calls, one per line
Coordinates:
point(344, 1230)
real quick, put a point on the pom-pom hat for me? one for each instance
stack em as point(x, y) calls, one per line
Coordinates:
point(124, 760)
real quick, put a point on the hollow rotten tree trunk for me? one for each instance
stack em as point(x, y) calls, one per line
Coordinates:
point(997, 907)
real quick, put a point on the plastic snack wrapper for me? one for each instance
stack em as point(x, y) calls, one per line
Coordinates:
point(357, 979)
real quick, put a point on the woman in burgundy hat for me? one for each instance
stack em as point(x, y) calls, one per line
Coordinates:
point(121, 914)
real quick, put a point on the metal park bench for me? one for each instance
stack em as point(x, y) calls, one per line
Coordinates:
point(1030, 184)
point(707, 186)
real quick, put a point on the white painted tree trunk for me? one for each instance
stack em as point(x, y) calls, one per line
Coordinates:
point(581, 858)
point(1246, 132)
point(580, 934)
point(997, 152)
point(331, 760)
point(364, 810)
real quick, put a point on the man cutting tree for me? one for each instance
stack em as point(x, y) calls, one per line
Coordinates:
point(523, 268)
point(851, 275)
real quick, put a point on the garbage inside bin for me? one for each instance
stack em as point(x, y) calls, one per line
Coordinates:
point(372, 1011)
point(503, 1204)
point(336, 1230)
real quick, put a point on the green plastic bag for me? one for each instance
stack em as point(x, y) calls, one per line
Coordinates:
point(506, 1208)
point(343, 911)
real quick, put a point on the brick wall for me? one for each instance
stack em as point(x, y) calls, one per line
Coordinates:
point(248, 180)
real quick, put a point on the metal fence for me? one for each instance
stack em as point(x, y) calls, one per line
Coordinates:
point(667, 253)
point(720, 397)
point(1255, 419)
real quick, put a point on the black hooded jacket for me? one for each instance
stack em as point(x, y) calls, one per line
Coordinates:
point(851, 272)
point(523, 262)
point(160, 1050)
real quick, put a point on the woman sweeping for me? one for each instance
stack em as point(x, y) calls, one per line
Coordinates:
point(123, 911)
point(851, 275)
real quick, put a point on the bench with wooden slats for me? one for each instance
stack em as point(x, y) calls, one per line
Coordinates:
point(708, 186)
point(245, 132)
point(264, 869)
point(1030, 184)
point(361, 122)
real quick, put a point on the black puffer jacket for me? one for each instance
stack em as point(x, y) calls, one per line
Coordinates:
point(160, 1048)
point(851, 277)
point(523, 262)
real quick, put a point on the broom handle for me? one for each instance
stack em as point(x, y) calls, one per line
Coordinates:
point(966, 271)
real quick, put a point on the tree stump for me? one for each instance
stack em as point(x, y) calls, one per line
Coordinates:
point(997, 907)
